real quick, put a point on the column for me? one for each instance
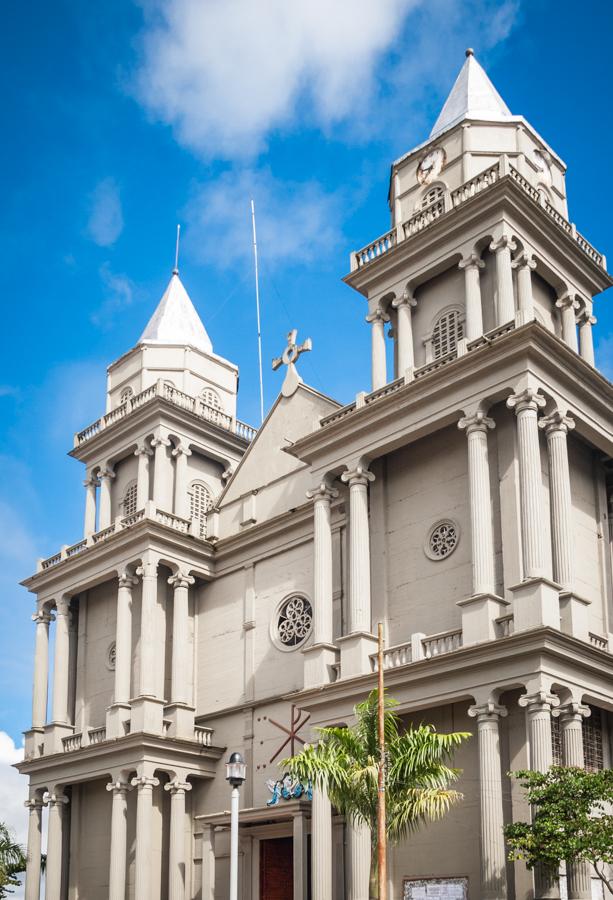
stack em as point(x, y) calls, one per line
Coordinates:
point(556, 427)
point(526, 405)
point(300, 857)
point(143, 454)
point(377, 320)
point(571, 715)
point(482, 537)
point(149, 595)
point(567, 304)
point(359, 549)
point(32, 886)
point(60, 662)
point(181, 505)
point(123, 638)
point(41, 667)
point(160, 469)
point(474, 313)
point(144, 804)
point(321, 846)
point(322, 563)
point(176, 853)
point(119, 832)
point(406, 354)
point(359, 852)
point(586, 338)
point(525, 265)
point(504, 279)
point(538, 707)
point(55, 828)
point(182, 712)
point(106, 476)
point(90, 484)
point(493, 856)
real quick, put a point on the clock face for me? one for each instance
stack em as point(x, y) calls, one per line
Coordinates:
point(431, 166)
point(541, 160)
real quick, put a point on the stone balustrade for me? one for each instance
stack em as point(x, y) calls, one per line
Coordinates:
point(598, 640)
point(177, 398)
point(483, 181)
point(203, 735)
point(419, 647)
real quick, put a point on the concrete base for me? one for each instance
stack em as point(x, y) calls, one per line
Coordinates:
point(117, 720)
point(356, 650)
point(147, 714)
point(574, 615)
point(319, 664)
point(181, 718)
point(536, 601)
point(54, 732)
point(478, 617)
point(34, 741)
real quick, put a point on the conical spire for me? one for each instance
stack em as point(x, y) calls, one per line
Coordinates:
point(176, 321)
point(473, 96)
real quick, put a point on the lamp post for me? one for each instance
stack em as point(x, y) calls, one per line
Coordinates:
point(236, 772)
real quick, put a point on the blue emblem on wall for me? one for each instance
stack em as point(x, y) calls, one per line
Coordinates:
point(287, 788)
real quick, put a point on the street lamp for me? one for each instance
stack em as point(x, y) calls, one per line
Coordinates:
point(236, 772)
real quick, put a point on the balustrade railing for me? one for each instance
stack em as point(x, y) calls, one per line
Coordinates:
point(96, 735)
point(172, 521)
point(393, 657)
point(504, 626)
point(203, 735)
point(598, 640)
point(76, 548)
point(72, 742)
point(423, 218)
point(376, 248)
point(445, 642)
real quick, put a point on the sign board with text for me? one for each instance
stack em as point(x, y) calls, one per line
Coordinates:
point(435, 889)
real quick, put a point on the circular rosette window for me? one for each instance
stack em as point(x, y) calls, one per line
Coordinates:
point(442, 539)
point(293, 622)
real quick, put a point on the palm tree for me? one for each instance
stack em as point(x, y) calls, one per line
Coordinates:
point(12, 861)
point(345, 764)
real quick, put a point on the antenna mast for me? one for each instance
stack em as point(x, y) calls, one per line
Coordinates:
point(175, 271)
point(257, 306)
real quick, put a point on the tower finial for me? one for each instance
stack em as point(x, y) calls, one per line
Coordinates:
point(469, 52)
point(175, 271)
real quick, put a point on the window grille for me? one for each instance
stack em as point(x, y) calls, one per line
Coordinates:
point(449, 329)
point(442, 540)
point(200, 500)
point(125, 395)
point(294, 621)
point(211, 398)
point(592, 741)
point(434, 194)
point(556, 742)
point(129, 499)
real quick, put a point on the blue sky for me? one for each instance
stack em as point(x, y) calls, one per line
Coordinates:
point(122, 119)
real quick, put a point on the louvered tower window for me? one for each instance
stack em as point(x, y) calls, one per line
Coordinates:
point(200, 501)
point(129, 499)
point(126, 394)
point(434, 194)
point(211, 398)
point(449, 329)
point(592, 741)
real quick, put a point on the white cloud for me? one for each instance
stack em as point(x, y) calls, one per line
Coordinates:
point(118, 293)
point(13, 788)
point(105, 222)
point(225, 74)
point(296, 222)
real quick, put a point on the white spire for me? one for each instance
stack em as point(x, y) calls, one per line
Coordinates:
point(473, 96)
point(176, 321)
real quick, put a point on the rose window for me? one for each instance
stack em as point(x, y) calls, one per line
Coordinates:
point(443, 540)
point(294, 621)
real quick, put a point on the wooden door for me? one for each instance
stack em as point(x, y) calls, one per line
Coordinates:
point(277, 869)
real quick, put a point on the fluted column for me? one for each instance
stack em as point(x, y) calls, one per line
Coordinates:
point(556, 427)
point(176, 853)
point(90, 484)
point(61, 662)
point(568, 305)
point(474, 313)
point(55, 834)
point(143, 455)
point(524, 265)
point(321, 846)
point(359, 549)
point(504, 278)
point(32, 886)
point(586, 338)
point(482, 536)
point(119, 833)
point(358, 862)
point(493, 857)
point(148, 650)
point(377, 320)
point(571, 715)
point(180, 630)
point(406, 353)
point(106, 478)
point(322, 497)
point(181, 506)
point(144, 804)
point(41, 667)
point(538, 708)
point(526, 405)
point(123, 638)
point(160, 469)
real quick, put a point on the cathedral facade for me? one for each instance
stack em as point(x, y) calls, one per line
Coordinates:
point(228, 585)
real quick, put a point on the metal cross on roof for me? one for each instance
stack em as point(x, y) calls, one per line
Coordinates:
point(289, 358)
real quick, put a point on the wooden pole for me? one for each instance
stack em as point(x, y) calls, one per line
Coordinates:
point(381, 833)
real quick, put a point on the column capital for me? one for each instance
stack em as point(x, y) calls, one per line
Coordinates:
point(62, 606)
point(405, 299)
point(142, 782)
point(106, 473)
point(143, 450)
point(504, 242)
point(119, 787)
point(42, 617)
point(359, 475)
point(34, 803)
point(177, 787)
point(181, 580)
point(524, 260)
point(148, 569)
point(91, 481)
point(539, 701)
point(572, 712)
point(556, 422)
point(487, 712)
point(377, 315)
point(526, 399)
point(160, 442)
point(476, 422)
point(126, 580)
point(181, 450)
point(567, 301)
point(56, 798)
point(322, 492)
point(471, 261)
point(585, 317)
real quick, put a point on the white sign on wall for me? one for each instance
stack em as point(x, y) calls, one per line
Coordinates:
point(436, 889)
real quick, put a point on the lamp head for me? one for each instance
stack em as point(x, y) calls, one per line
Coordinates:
point(236, 770)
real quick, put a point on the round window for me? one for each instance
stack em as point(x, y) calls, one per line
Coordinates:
point(442, 539)
point(293, 622)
